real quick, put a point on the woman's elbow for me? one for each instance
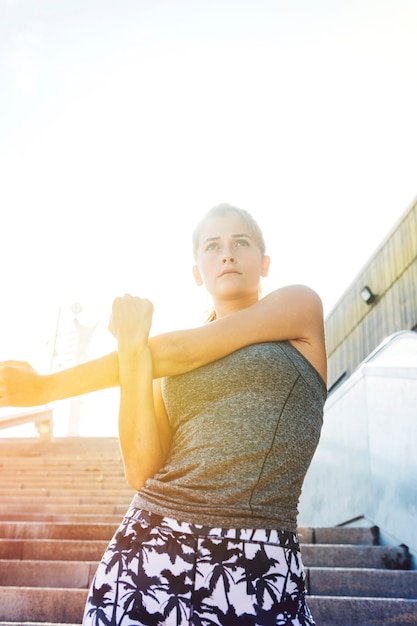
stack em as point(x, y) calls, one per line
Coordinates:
point(136, 479)
point(136, 475)
point(135, 482)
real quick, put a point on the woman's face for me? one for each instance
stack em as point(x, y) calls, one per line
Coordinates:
point(229, 261)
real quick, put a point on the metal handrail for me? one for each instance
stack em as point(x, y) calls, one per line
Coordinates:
point(42, 417)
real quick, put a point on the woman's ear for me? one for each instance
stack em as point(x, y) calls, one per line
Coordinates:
point(266, 261)
point(197, 276)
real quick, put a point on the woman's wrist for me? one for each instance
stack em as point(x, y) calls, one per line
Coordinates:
point(134, 361)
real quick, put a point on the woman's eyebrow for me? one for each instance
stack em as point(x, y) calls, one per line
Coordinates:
point(234, 236)
point(211, 239)
point(242, 235)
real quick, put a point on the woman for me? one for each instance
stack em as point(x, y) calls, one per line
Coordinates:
point(217, 450)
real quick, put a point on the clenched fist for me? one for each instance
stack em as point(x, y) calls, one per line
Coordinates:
point(131, 321)
point(20, 385)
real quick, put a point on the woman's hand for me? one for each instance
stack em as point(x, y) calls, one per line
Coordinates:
point(21, 385)
point(130, 322)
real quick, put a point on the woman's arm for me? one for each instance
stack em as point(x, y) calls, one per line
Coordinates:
point(291, 313)
point(144, 441)
point(21, 385)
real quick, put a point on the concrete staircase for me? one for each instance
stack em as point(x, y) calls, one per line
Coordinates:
point(60, 503)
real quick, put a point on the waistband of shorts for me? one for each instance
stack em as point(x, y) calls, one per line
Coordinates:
point(284, 538)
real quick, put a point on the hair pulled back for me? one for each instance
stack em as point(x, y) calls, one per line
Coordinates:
point(223, 210)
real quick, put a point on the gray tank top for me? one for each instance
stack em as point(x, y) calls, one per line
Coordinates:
point(245, 429)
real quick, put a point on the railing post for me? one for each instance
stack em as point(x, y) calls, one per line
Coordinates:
point(45, 429)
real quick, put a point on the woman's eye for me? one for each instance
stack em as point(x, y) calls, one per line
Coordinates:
point(211, 246)
point(241, 242)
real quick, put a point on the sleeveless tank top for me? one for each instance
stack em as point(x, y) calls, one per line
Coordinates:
point(245, 429)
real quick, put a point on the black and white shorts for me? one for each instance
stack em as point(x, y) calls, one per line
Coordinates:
point(160, 572)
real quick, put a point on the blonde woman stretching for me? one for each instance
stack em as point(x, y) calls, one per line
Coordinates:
point(217, 428)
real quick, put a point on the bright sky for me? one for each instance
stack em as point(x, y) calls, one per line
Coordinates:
point(122, 122)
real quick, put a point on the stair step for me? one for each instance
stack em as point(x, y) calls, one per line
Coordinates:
point(67, 605)
point(20, 623)
point(99, 482)
point(67, 475)
point(32, 604)
point(27, 529)
point(98, 509)
point(320, 581)
point(52, 550)
point(29, 445)
point(44, 466)
point(17, 493)
point(55, 574)
point(67, 518)
point(327, 555)
point(351, 611)
point(66, 460)
point(63, 500)
point(73, 549)
point(73, 530)
point(345, 534)
point(39, 530)
point(324, 581)
point(56, 477)
point(118, 486)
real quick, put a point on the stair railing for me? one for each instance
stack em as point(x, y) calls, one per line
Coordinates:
point(41, 417)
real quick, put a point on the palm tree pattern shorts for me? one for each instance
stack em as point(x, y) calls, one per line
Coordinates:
point(160, 572)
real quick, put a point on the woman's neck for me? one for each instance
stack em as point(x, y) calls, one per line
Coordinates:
point(227, 307)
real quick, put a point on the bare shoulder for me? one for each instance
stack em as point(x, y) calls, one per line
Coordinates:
point(295, 311)
point(293, 296)
point(304, 316)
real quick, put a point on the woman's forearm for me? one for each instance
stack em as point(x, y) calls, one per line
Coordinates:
point(21, 386)
point(140, 442)
point(170, 353)
point(143, 451)
point(94, 375)
point(103, 372)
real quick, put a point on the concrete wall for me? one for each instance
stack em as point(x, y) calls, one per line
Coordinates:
point(366, 462)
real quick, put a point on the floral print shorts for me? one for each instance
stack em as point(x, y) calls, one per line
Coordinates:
point(160, 572)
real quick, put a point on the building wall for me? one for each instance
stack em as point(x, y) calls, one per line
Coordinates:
point(363, 471)
point(353, 328)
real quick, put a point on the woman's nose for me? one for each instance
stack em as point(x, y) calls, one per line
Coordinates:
point(228, 258)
